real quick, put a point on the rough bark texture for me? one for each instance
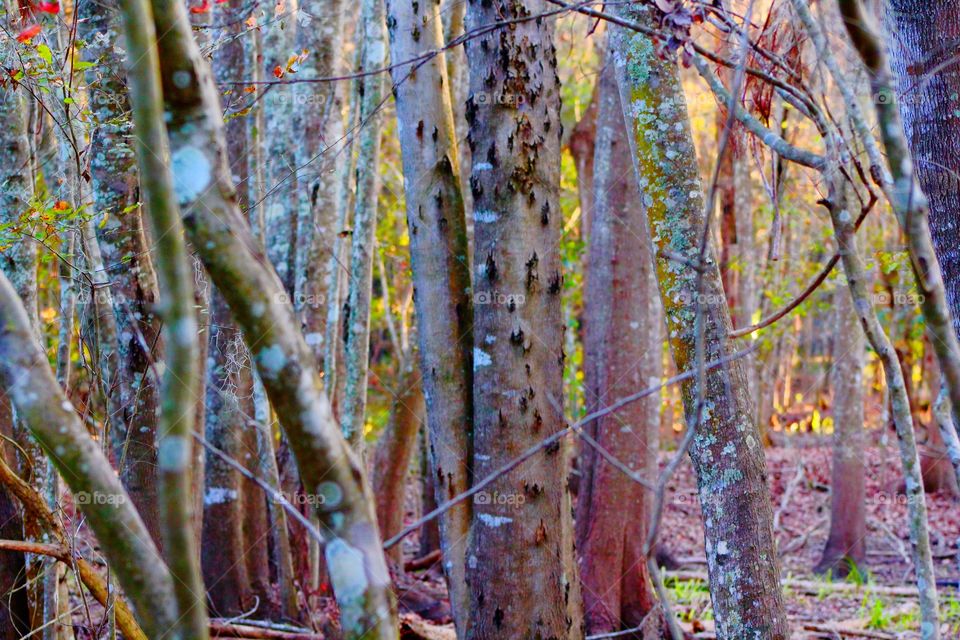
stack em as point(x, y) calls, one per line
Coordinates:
point(927, 92)
point(356, 319)
point(524, 520)
point(726, 451)
point(224, 564)
point(612, 510)
point(441, 273)
point(217, 229)
point(280, 207)
point(318, 115)
point(846, 547)
point(125, 255)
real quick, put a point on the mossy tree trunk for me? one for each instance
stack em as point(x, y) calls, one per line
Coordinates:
point(726, 450)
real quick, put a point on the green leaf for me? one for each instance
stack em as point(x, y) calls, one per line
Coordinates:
point(44, 52)
point(81, 65)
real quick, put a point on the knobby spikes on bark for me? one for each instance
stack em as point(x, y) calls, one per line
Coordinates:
point(514, 98)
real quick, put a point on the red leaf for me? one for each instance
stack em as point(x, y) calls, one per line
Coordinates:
point(278, 71)
point(27, 34)
point(49, 7)
point(201, 8)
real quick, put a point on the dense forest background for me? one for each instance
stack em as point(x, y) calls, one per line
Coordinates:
point(479, 319)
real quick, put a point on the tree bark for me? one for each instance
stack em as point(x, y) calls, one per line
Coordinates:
point(726, 450)
point(846, 547)
point(524, 521)
point(356, 321)
point(126, 256)
point(393, 457)
point(441, 273)
point(612, 510)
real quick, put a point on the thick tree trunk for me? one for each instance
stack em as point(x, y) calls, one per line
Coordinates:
point(217, 229)
point(927, 86)
point(726, 450)
point(846, 547)
point(612, 510)
point(441, 273)
point(126, 257)
point(524, 520)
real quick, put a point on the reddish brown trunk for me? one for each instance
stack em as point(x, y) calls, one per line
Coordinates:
point(612, 509)
point(392, 459)
point(846, 544)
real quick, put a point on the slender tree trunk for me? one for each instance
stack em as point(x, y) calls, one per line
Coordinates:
point(393, 457)
point(441, 273)
point(726, 451)
point(178, 404)
point(356, 320)
point(846, 547)
point(218, 231)
point(280, 206)
point(613, 510)
point(524, 521)
point(318, 116)
point(223, 548)
point(843, 225)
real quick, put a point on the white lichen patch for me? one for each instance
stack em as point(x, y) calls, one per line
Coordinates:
point(486, 216)
point(192, 173)
point(493, 521)
point(346, 568)
point(219, 495)
point(173, 454)
point(272, 359)
point(481, 359)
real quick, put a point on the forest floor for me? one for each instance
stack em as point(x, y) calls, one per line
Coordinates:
point(869, 605)
point(879, 602)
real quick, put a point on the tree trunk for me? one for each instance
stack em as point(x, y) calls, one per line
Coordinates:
point(846, 547)
point(126, 256)
point(524, 520)
point(356, 321)
point(927, 90)
point(393, 457)
point(612, 510)
point(280, 206)
point(441, 273)
point(318, 115)
point(726, 451)
point(222, 553)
